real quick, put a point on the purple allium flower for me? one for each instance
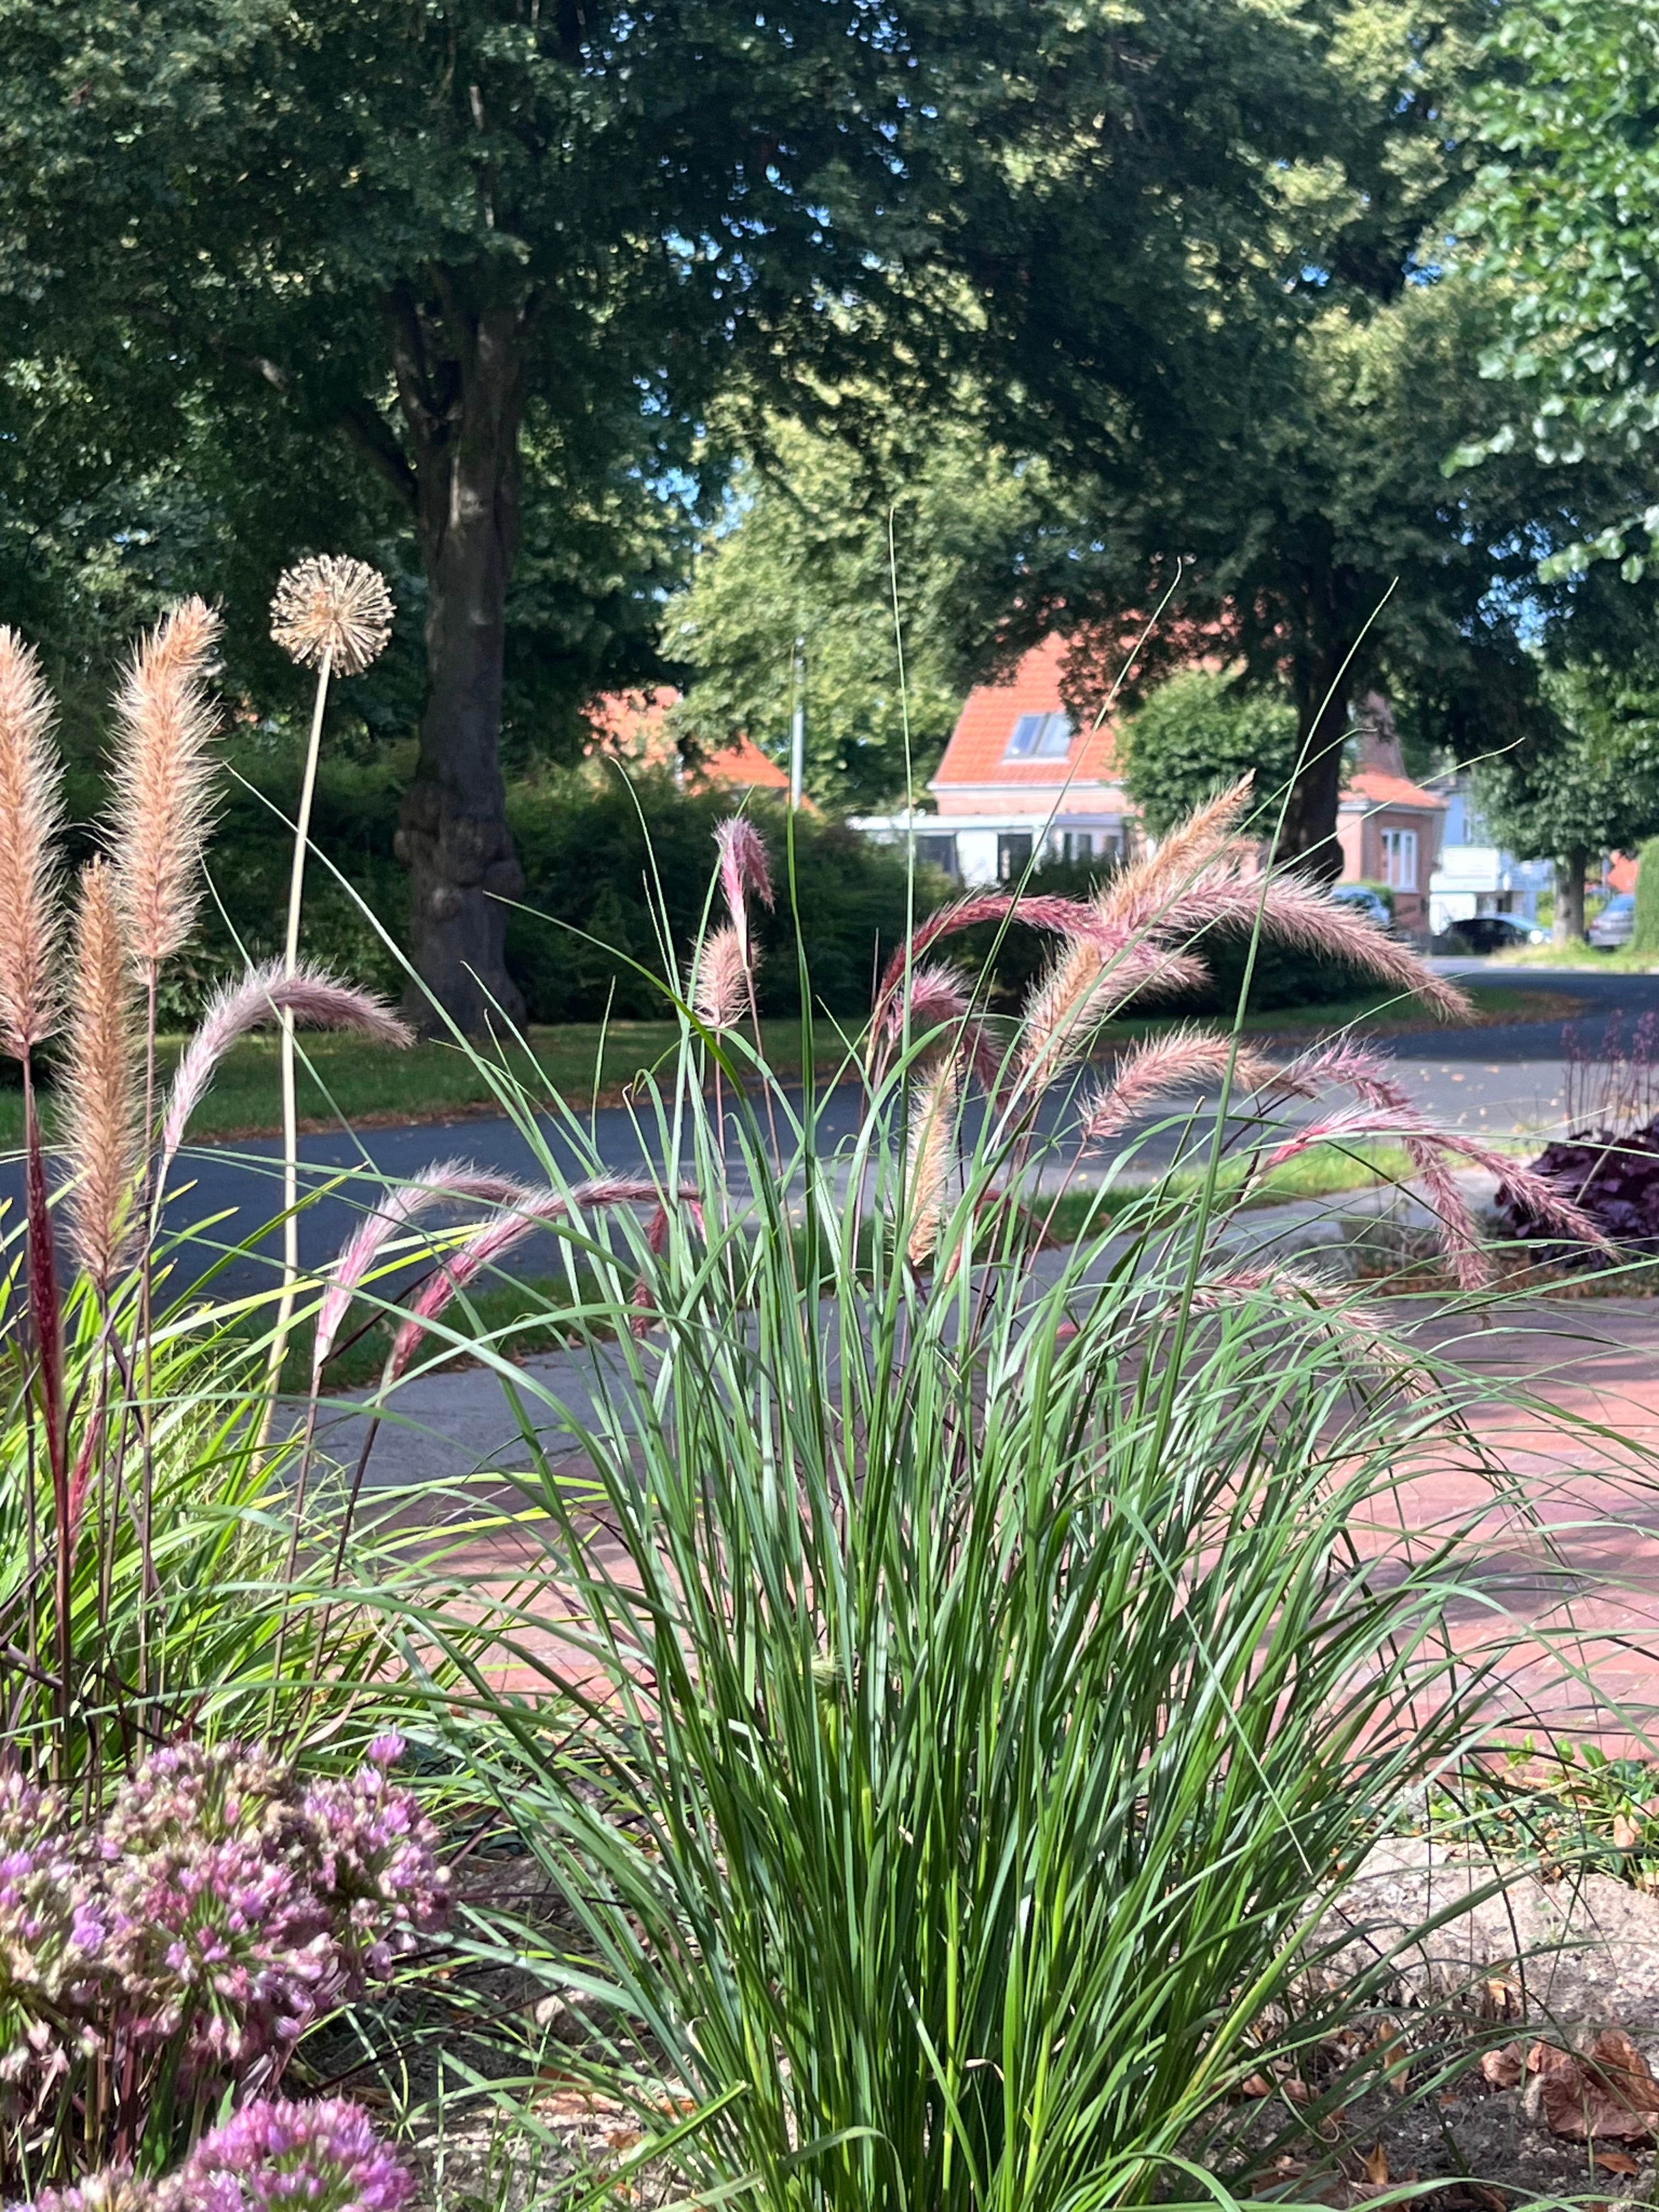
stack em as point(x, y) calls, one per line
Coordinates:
point(377, 1866)
point(113, 2191)
point(272, 2155)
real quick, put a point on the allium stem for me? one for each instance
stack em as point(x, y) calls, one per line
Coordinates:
point(290, 1106)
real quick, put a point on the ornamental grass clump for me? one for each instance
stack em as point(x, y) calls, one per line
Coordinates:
point(136, 1473)
point(165, 1959)
point(991, 1661)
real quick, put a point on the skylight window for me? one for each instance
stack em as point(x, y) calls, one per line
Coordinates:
point(1040, 737)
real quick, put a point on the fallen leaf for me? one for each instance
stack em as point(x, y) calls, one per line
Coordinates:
point(1375, 2163)
point(1616, 2161)
point(1607, 2093)
point(1626, 1833)
point(1297, 2090)
point(1502, 2069)
point(1256, 2085)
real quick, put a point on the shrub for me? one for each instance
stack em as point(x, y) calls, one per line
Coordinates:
point(625, 863)
point(1198, 732)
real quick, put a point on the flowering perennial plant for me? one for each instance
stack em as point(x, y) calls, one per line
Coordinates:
point(271, 2155)
point(180, 1946)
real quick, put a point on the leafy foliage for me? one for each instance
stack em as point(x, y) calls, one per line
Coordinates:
point(1562, 222)
point(807, 556)
point(1197, 734)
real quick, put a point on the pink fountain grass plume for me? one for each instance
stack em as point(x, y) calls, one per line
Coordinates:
point(315, 1001)
point(720, 992)
point(1085, 987)
point(450, 1182)
point(1177, 1062)
point(494, 1238)
point(1347, 1066)
point(162, 772)
point(744, 871)
point(1290, 911)
point(102, 1140)
point(932, 1151)
point(30, 823)
point(938, 997)
point(1138, 896)
point(1070, 917)
point(1356, 1326)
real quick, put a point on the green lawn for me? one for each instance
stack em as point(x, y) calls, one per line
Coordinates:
point(363, 1084)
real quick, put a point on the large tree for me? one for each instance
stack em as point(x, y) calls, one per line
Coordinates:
point(414, 228)
point(417, 230)
point(1296, 480)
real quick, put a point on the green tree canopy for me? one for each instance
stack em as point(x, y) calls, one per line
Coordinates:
point(1563, 221)
point(420, 236)
point(808, 558)
point(1197, 731)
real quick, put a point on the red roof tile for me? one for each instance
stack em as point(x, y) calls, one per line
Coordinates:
point(1378, 788)
point(744, 764)
point(978, 748)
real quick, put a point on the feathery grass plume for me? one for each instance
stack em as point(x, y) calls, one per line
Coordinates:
point(937, 997)
point(494, 1238)
point(1356, 1326)
point(720, 990)
point(331, 608)
point(447, 1182)
point(31, 821)
point(314, 999)
point(1085, 986)
point(743, 868)
point(162, 775)
point(1345, 1066)
point(1136, 896)
point(1292, 911)
point(1161, 1065)
point(1042, 910)
point(932, 1151)
point(102, 1136)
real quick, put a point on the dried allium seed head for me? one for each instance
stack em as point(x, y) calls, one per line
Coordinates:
point(30, 816)
point(102, 1138)
point(331, 608)
point(163, 773)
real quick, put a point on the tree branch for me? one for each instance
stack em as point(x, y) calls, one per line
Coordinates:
point(369, 431)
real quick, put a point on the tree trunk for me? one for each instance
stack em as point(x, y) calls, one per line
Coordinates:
point(464, 412)
point(1570, 895)
point(1309, 836)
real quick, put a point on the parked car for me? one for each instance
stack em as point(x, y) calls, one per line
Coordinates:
point(1616, 923)
point(1493, 932)
point(1370, 903)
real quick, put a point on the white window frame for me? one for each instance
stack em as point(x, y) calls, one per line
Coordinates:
point(1400, 859)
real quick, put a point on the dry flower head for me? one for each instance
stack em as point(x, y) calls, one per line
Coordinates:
point(101, 1137)
point(30, 816)
point(162, 775)
point(332, 609)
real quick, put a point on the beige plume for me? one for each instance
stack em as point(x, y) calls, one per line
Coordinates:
point(101, 1135)
point(163, 775)
point(932, 1155)
point(30, 819)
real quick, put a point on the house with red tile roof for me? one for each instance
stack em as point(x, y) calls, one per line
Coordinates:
point(1018, 775)
point(1389, 828)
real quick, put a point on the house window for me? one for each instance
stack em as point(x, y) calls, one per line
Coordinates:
point(938, 852)
point(1400, 859)
point(1077, 844)
point(1040, 737)
point(1013, 854)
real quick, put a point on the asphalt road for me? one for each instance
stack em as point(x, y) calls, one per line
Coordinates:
point(1499, 1080)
